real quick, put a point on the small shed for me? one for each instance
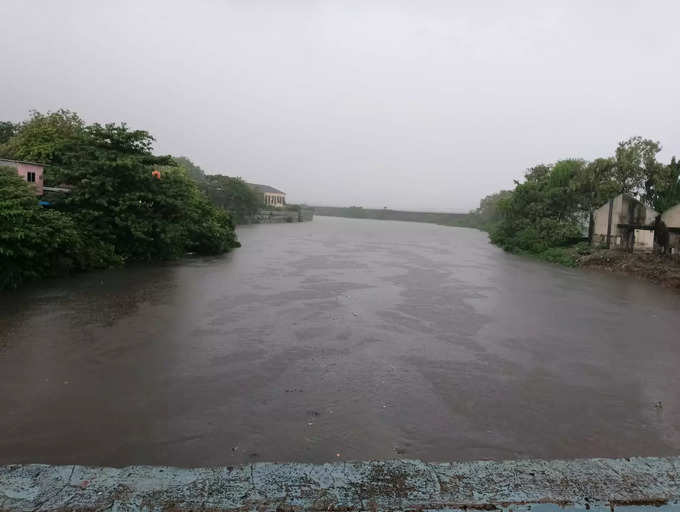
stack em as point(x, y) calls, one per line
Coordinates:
point(626, 223)
point(31, 172)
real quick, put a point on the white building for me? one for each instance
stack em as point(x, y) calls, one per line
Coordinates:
point(272, 197)
point(631, 223)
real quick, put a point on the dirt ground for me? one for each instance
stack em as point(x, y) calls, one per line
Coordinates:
point(663, 270)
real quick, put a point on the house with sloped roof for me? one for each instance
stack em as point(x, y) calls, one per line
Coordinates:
point(272, 197)
point(31, 172)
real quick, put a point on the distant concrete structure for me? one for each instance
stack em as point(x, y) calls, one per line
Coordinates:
point(624, 223)
point(273, 197)
point(31, 172)
point(671, 218)
point(281, 215)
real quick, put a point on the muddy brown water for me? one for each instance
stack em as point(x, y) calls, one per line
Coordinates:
point(339, 339)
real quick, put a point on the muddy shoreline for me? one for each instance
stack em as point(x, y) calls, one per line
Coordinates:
point(661, 270)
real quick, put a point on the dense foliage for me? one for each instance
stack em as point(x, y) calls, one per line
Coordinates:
point(552, 209)
point(542, 212)
point(7, 131)
point(233, 194)
point(192, 170)
point(34, 242)
point(121, 206)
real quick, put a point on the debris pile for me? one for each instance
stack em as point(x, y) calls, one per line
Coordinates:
point(664, 270)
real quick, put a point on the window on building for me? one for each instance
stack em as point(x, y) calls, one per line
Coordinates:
point(30, 177)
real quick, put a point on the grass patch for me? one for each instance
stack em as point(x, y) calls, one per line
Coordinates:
point(569, 256)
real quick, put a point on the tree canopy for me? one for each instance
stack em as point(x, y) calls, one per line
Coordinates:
point(7, 131)
point(234, 195)
point(553, 207)
point(540, 213)
point(126, 204)
point(192, 170)
point(34, 242)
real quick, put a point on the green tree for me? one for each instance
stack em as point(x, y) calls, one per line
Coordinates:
point(541, 212)
point(547, 211)
point(661, 185)
point(7, 131)
point(120, 207)
point(635, 161)
point(662, 189)
point(118, 200)
point(234, 195)
point(34, 242)
point(594, 185)
point(192, 170)
point(211, 230)
point(489, 214)
point(55, 138)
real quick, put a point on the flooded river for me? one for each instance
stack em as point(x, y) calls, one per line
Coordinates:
point(339, 339)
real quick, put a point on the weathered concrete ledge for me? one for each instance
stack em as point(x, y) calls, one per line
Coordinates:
point(540, 486)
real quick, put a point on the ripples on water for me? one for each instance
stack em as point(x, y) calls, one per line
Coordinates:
point(339, 339)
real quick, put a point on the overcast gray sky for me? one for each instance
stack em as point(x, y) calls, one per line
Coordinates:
point(408, 104)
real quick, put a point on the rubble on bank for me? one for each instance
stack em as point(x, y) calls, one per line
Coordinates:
point(663, 270)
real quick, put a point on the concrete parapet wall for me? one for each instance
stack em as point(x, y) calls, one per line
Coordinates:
point(597, 484)
point(283, 215)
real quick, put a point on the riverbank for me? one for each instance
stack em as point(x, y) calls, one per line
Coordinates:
point(291, 213)
point(652, 267)
point(642, 265)
point(358, 212)
point(588, 484)
point(648, 266)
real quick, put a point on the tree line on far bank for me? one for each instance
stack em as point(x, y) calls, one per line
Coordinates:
point(126, 204)
point(551, 210)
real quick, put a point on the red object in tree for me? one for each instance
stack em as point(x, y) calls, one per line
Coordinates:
point(156, 174)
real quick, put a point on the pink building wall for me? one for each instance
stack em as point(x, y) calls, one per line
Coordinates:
point(23, 168)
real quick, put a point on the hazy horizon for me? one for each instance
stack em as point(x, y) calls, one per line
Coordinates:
point(414, 106)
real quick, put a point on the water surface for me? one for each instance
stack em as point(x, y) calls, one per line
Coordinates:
point(339, 339)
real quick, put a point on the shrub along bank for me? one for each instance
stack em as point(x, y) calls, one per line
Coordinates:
point(126, 204)
point(550, 213)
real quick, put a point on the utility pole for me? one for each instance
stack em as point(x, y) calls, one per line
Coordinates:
point(609, 223)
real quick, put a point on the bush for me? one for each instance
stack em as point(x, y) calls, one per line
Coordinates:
point(540, 214)
point(234, 195)
point(563, 255)
point(34, 242)
point(124, 204)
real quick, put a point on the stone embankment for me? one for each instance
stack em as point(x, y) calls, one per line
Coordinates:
point(590, 484)
point(284, 216)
